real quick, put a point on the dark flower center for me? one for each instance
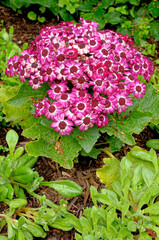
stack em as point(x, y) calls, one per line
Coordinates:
point(44, 52)
point(107, 105)
point(40, 105)
point(81, 106)
point(81, 45)
point(64, 96)
point(138, 88)
point(34, 65)
point(62, 125)
point(15, 65)
point(108, 63)
point(99, 83)
point(122, 101)
point(101, 118)
point(91, 67)
point(49, 71)
point(94, 103)
point(26, 56)
point(81, 80)
point(56, 45)
point(52, 109)
point(86, 121)
point(82, 94)
point(100, 71)
point(92, 42)
point(136, 67)
point(73, 69)
point(22, 72)
point(105, 52)
point(60, 58)
point(57, 89)
point(35, 80)
point(121, 68)
point(122, 55)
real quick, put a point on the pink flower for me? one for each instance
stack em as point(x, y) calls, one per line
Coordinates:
point(138, 88)
point(71, 53)
point(86, 121)
point(62, 125)
point(102, 120)
point(123, 102)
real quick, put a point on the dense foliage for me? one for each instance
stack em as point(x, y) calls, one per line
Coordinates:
point(78, 84)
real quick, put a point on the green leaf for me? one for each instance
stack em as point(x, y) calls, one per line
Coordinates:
point(153, 143)
point(20, 235)
point(153, 8)
point(154, 30)
point(64, 187)
point(106, 3)
point(11, 139)
point(93, 153)
point(38, 130)
point(115, 143)
point(86, 139)
point(85, 6)
point(32, 15)
point(135, 2)
point(26, 92)
point(113, 17)
point(150, 102)
point(110, 172)
point(65, 15)
point(121, 1)
point(42, 9)
point(125, 127)
point(18, 203)
point(132, 226)
point(63, 151)
point(35, 229)
point(153, 209)
point(13, 113)
point(22, 174)
point(148, 176)
point(41, 19)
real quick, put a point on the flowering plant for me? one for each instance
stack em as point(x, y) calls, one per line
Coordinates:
point(90, 73)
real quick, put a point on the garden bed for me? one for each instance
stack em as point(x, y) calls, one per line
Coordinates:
point(83, 172)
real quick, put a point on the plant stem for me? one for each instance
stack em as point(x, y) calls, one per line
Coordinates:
point(98, 144)
point(106, 151)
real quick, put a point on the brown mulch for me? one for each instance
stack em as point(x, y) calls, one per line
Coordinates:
point(83, 172)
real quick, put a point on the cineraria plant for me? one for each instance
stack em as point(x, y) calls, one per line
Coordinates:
point(90, 73)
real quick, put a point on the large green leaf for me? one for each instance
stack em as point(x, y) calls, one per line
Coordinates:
point(13, 113)
point(26, 92)
point(125, 127)
point(150, 102)
point(86, 139)
point(38, 130)
point(110, 171)
point(113, 17)
point(106, 3)
point(63, 151)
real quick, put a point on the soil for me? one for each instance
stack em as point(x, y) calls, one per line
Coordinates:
point(83, 172)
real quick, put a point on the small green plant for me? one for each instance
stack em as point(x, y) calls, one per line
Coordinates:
point(130, 207)
point(8, 49)
point(33, 16)
point(16, 178)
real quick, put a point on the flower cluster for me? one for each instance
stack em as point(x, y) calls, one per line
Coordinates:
point(91, 74)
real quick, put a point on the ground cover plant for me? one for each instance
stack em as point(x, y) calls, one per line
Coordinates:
point(16, 178)
point(130, 206)
point(128, 214)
